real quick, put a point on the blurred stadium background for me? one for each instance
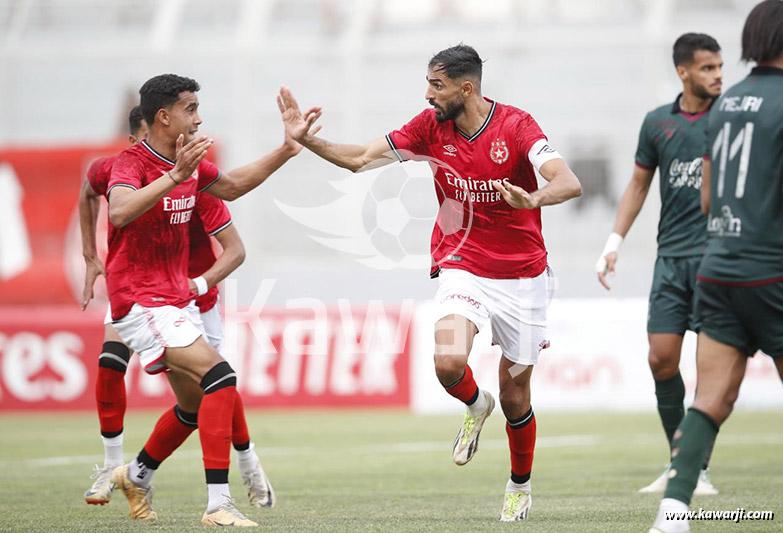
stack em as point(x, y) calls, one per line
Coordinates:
point(319, 314)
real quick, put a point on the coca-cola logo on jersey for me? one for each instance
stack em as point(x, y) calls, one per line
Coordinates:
point(685, 173)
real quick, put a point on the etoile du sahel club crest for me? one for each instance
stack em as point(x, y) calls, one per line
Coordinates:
point(499, 151)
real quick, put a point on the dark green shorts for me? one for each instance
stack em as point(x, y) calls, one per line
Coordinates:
point(748, 318)
point(671, 296)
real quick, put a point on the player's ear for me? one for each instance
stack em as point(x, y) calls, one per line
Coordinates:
point(132, 140)
point(467, 88)
point(682, 72)
point(163, 117)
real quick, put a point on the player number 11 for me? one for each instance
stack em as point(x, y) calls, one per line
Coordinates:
point(727, 153)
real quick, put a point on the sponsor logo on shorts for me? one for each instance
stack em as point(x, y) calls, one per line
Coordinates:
point(464, 297)
point(543, 345)
point(179, 321)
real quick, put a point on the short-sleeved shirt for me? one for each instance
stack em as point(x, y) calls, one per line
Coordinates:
point(476, 230)
point(147, 261)
point(745, 148)
point(673, 141)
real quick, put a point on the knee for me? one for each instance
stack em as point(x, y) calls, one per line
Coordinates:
point(449, 367)
point(719, 407)
point(218, 377)
point(190, 403)
point(663, 365)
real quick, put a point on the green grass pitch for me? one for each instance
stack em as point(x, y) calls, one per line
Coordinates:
point(391, 471)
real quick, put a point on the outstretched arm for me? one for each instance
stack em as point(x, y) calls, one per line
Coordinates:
point(630, 205)
point(355, 158)
point(89, 206)
point(230, 258)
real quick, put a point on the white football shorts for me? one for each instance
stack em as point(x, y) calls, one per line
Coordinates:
point(148, 331)
point(212, 322)
point(515, 308)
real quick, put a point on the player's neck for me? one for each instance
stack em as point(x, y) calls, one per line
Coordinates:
point(163, 145)
point(474, 116)
point(774, 63)
point(690, 103)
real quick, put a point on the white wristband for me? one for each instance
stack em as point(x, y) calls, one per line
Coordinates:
point(201, 285)
point(612, 245)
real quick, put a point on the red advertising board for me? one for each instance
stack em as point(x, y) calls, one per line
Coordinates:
point(325, 357)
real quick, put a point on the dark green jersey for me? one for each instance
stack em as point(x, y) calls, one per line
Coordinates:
point(673, 141)
point(745, 146)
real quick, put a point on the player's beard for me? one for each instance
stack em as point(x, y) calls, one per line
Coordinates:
point(702, 92)
point(452, 110)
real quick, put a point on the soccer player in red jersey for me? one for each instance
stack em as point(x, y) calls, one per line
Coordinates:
point(206, 271)
point(492, 269)
point(152, 195)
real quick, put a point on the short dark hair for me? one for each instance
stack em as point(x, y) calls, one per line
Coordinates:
point(762, 36)
point(688, 44)
point(458, 62)
point(134, 120)
point(162, 92)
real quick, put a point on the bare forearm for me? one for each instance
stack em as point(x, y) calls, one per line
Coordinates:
point(705, 188)
point(348, 156)
point(244, 179)
point(562, 187)
point(227, 263)
point(129, 205)
point(89, 206)
point(630, 206)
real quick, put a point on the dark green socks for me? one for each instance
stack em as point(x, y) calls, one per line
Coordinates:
point(690, 445)
point(671, 395)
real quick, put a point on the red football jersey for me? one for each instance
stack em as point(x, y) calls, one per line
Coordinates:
point(476, 230)
point(210, 218)
point(148, 259)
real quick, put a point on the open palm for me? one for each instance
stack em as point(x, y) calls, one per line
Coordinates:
point(297, 125)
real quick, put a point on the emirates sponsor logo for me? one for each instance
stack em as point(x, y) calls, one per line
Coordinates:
point(181, 208)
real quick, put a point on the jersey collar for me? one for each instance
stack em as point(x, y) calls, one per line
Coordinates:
point(483, 126)
point(156, 154)
point(677, 109)
point(766, 71)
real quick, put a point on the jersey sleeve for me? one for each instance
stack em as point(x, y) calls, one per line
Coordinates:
point(528, 133)
point(413, 138)
point(646, 154)
point(208, 174)
point(213, 213)
point(98, 174)
point(127, 171)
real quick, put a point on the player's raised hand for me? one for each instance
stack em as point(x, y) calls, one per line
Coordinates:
point(516, 197)
point(189, 156)
point(297, 125)
point(604, 265)
point(94, 269)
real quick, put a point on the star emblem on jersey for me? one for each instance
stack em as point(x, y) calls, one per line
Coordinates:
point(498, 152)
